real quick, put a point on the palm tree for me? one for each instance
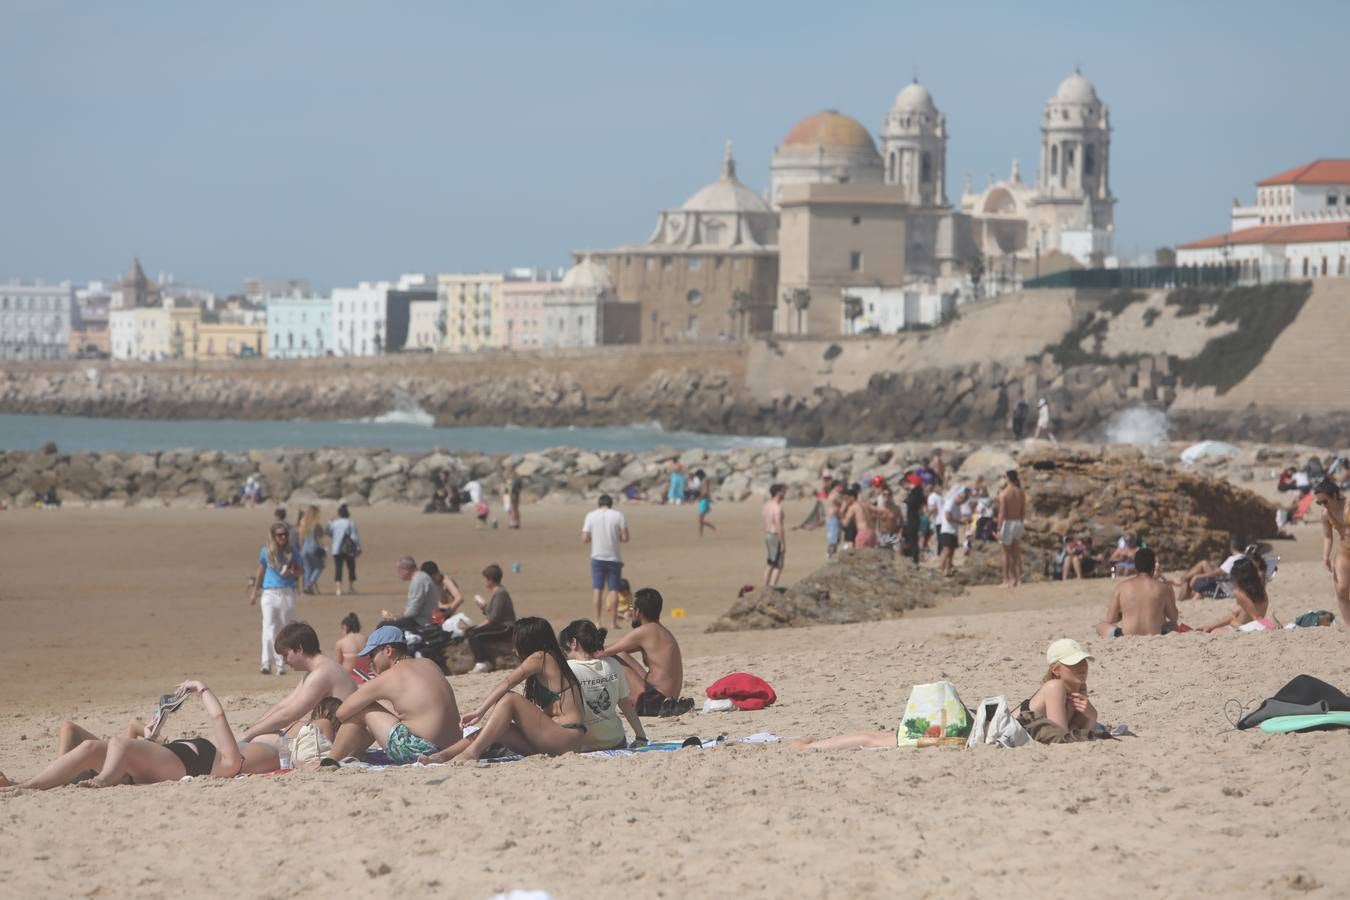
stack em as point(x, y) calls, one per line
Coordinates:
point(740, 308)
point(800, 299)
point(853, 310)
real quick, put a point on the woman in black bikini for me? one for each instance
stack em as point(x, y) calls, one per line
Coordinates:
point(547, 719)
point(139, 760)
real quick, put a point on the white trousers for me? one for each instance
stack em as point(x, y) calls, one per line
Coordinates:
point(278, 610)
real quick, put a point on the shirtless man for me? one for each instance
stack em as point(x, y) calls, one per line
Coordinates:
point(862, 517)
point(1204, 574)
point(408, 708)
point(1141, 604)
point(775, 538)
point(656, 686)
point(1012, 510)
point(833, 507)
point(298, 647)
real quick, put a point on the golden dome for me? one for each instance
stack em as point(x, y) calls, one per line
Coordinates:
point(829, 128)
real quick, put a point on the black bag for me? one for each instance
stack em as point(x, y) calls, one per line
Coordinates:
point(348, 546)
point(1304, 696)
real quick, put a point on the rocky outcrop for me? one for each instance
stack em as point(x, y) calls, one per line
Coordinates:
point(359, 477)
point(857, 586)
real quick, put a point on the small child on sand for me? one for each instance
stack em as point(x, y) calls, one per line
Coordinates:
point(620, 604)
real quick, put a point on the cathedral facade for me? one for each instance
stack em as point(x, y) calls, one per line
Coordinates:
point(846, 216)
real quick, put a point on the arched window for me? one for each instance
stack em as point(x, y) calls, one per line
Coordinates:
point(926, 168)
point(1089, 160)
point(1054, 159)
point(694, 297)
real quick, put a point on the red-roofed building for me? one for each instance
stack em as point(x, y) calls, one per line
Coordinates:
point(1299, 227)
point(1313, 192)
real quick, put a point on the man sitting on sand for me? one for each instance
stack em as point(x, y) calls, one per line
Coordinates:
point(408, 708)
point(298, 646)
point(1141, 604)
point(1204, 575)
point(656, 686)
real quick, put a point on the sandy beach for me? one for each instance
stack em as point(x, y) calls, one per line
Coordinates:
point(105, 609)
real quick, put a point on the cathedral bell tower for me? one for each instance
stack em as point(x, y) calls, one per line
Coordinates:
point(914, 148)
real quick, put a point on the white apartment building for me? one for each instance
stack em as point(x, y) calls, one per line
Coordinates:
point(298, 326)
point(1299, 227)
point(372, 318)
point(36, 320)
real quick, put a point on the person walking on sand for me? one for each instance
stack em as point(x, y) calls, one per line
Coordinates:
point(1335, 523)
point(704, 502)
point(1043, 421)
point(775, 538)
point(1012, 509)
point(311, 535)
point(346, 544)
point(279, 570)
point(605, 529)
point(514, 487)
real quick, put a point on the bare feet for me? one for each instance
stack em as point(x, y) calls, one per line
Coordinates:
point(5, 782)
point(94, 782)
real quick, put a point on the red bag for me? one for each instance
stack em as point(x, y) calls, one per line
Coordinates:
point(744, 690)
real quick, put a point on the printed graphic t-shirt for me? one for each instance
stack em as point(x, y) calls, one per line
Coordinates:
point(602, 687)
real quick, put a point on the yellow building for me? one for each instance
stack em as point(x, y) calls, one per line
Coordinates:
point(474, 312)
point(227, 340)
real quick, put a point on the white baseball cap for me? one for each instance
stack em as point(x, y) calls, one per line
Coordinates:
point(1066, 651)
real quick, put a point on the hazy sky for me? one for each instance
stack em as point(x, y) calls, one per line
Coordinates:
point(345, 141)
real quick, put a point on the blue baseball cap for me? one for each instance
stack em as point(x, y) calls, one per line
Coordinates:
point(385, 634)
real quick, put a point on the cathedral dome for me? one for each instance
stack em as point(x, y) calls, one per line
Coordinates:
point(1076, 89)
point(587, 276)
point(830, 129)
point(914, 97)
point(726, 194)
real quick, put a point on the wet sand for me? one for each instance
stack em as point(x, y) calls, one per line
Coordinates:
point(105, 609)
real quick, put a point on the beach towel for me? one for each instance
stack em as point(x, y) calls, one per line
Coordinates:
point(745, 690)
point(1304, 504)
point(1303, 696)
point(934, 716)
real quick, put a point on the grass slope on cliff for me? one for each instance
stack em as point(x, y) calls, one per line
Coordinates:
point(1261, 313)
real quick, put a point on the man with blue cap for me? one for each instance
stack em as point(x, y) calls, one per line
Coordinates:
point(408, 708)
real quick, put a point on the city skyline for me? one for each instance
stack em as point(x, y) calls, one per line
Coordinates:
point(340, 144)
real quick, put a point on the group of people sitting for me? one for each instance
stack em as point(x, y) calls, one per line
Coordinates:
point(574, 688)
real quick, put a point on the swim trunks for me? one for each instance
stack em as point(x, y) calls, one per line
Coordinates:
point(866, 538)
point(1012, 530)
point(832, 530)
point(652, 702)
point(403, 747)
point(704, 504)
point(773, 546)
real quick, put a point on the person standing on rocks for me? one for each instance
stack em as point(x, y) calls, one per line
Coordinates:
point(938, 467)
point(1019, 419)
point(1012, 510)
point(949, 527)
point(346, 544)
point(775, 536)
point(1043, 420)
point(914, 516)
point(834, 502)
point(605, 528)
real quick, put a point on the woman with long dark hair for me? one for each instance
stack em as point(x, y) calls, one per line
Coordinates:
point(547, 719)
point(1251, 602)
point(604, 687)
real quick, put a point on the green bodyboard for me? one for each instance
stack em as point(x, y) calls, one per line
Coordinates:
point(1286, 724)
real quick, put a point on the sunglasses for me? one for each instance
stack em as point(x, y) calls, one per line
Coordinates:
point(281, 534)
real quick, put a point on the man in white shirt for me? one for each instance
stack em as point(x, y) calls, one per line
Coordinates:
point(953, 517)
point(604, 529)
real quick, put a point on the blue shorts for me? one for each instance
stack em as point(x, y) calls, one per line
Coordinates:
point(832, 530)
point(605, 574)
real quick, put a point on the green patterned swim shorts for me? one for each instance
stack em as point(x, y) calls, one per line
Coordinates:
point(404, 747)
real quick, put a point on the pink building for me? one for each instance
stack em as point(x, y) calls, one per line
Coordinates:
point(523, 309)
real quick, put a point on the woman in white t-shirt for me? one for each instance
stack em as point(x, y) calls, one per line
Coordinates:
point(604, 689)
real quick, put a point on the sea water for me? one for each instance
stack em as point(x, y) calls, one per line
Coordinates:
point(402, 430)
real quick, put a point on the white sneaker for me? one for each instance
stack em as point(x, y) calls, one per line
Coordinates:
point(281, 670)
point(482, 667)
point(339, 590)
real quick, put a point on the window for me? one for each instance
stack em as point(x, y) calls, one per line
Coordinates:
point(717, 262)
point(651, 263)
point(694, 297)
point(926, 168)
point(695, 263)
point(855, 261)
point(665, 262)
point(1089, 160)
point(691, 329)
point(1333, 199)
point(857, 220)
point(1054, 159)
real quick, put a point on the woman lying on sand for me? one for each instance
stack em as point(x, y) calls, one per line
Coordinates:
point(548, 719)
point(139, 760)
point(1250, 600)
point(1058, 712)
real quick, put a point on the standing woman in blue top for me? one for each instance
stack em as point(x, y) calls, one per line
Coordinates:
point(279, 568)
